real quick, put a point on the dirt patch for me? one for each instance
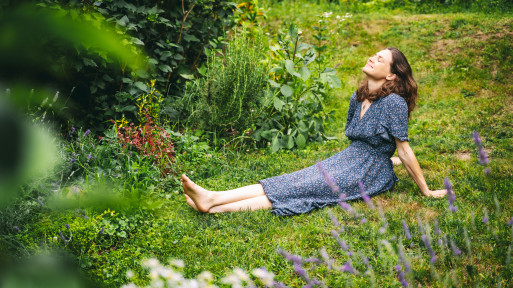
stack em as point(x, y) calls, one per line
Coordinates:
point(464, 156)
point(376, 27)
point(425, 213)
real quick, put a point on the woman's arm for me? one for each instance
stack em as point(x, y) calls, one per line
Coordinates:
point(409, 160)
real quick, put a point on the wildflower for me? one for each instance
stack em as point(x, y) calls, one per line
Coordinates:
point(89, 157)
point(328, 179)
point(86, 133)
point(406, 230)
point(510, 223)
point(73, 130)
point(67, 226)
point(338, 17)
point(487, 171)
point(72, 160)
point(101, 231)
point(298, 268)
point(425, 239)
point(333, 218)
point(365, 197)
point(400, 276)
point(363, 221)
point(347, 207)
point(451, 197)
point(455, 250)
point(437, 229)
point(300, 32)
point(16, 228)
point(62, 237)
point(265, 276)
point(129, 153)
point(348, 268)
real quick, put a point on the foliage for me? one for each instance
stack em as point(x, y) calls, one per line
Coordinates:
point(148, 138)
point(299, 92)
point(168, 38)
point(232, 94)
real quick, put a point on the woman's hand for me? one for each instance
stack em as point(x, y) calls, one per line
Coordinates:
point(436, 193)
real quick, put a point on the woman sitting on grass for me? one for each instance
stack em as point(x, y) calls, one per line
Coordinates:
point(377, 124)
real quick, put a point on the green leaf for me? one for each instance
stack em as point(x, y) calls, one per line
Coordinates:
point(290, 142)
point(289, 65)
point(274, 84)
point(190, 38)
point(89, 62)
point(165, 68)
point(276, 146)
point(300, 141)
point(187, 76)
point(286, 90)
point(278, 104)
point(137, 41)
point(305, 73)
point(141, 86)
point(329, 71)
point(334, 81)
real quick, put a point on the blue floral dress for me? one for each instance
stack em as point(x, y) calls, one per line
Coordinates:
point(367, 159)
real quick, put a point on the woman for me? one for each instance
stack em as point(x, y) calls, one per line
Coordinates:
point(377, 124)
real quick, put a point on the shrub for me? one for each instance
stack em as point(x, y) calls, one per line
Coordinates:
point(231, 95)
point(299, 85)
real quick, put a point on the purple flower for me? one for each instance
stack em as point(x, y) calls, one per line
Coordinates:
point(451, 197)
point(437, 229)
point(299, 270)
point(328, 179)
point(89, 156)
point(485, 219)
point(402, 257)
point(346, 206)
point(16, 228)
point(475, 135)
point(455, 250)
point(406, 230)
point(129, 153)
point(101, 231)
point(73, 130)
point(483, 157)
point(510, 223)
point(62, 237)
point(333, 218)
point(487, 171)
point(136, 170)
point(365, 197)
point(363, 221)
point(67, 226)
point(71, 161)
point(425, 239)
point(348, 268)
point(86, 133)
point(340, 242)
point(400, 276)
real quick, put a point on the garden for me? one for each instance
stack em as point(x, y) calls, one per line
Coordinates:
point(104, 104)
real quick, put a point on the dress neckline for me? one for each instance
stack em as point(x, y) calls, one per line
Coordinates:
point(360, 117)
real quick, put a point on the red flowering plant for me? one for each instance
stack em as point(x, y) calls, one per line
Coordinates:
point(148, 138)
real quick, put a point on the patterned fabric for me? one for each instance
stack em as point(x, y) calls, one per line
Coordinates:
point(367, 159)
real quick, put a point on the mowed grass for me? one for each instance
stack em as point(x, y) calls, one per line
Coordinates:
point(462, 65)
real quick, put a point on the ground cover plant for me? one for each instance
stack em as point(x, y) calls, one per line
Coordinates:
point(461, 62)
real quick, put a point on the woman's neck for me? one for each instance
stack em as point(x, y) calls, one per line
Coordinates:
point(374, 85)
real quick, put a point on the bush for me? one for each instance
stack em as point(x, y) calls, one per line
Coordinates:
point(232, 94)
point(299, 85)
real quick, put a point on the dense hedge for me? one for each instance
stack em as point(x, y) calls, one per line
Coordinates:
point(172, 34)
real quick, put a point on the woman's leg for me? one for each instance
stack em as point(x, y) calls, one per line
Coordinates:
point(204, 200)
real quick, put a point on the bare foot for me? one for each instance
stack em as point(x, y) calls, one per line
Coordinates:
point(190, 202)
point(200, 196)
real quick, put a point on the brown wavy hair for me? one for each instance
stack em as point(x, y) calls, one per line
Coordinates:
point(404, 84)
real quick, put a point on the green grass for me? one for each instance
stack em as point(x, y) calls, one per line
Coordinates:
point(462, 64)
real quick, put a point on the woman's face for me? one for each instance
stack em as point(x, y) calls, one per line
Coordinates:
point(378, 66)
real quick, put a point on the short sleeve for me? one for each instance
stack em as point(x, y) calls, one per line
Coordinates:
point(397, 117)
point(352, 109)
